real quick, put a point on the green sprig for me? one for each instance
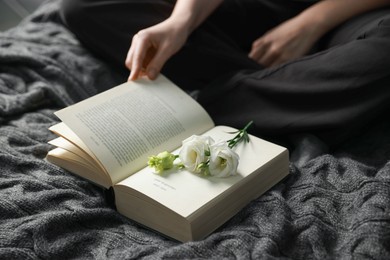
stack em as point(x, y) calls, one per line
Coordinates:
point(242, 135)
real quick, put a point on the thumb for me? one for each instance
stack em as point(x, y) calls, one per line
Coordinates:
point(155, 65)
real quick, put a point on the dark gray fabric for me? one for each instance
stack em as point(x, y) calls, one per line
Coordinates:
point(336, 206)
point(343, 82)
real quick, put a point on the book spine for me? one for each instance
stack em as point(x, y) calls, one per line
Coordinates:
point(109, 196)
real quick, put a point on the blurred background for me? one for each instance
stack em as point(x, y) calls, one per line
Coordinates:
point(13, 11)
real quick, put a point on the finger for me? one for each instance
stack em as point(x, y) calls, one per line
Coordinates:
point(269, 57)
point(160, 58)
point(258, 50)
point(136, 61)
point(129, 56)
point(138, 55)
point(128, 62)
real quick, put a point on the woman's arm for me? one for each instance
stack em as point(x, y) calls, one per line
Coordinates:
point(153, 46)
point(331, 13)
point(295, 37)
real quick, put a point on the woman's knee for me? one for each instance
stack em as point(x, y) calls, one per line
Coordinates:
point(126, 14)
point(383, 28)
point(372, 24)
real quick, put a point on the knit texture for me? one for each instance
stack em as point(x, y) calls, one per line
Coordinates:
point(336, 206)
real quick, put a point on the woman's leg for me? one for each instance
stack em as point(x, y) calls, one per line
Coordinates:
point(336, 89)
point(330, 93)
point(218, 47)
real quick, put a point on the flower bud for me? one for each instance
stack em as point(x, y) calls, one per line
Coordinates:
point(163, 161)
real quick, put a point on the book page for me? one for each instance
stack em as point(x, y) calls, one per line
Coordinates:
point(72, 148)
point(74, 163)
point(66, 133)
point(185, 192)
point(126, 124)
point(63, 130)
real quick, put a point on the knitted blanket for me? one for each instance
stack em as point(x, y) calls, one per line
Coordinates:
point(336, 206)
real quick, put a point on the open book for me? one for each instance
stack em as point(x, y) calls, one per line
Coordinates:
point(108, 138)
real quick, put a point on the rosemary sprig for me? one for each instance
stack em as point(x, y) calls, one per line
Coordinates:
point(242, 135)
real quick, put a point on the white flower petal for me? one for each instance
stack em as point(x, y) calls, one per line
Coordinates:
point(193, 151)
point(223, 161)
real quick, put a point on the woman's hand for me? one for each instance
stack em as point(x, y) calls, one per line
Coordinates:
point(290, 40)
point(153, 46)
point(295, 37)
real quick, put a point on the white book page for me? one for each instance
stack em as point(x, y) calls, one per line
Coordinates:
point(185, 192)
point(126, 124)
point(63, 130)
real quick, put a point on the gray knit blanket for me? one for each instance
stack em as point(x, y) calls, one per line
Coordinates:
point(335, 206)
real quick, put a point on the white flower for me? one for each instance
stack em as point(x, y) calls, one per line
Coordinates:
point(195, 151)
point(200, 155)
point(223, 161)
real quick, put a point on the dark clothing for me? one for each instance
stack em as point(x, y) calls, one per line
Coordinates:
point(341, 86)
